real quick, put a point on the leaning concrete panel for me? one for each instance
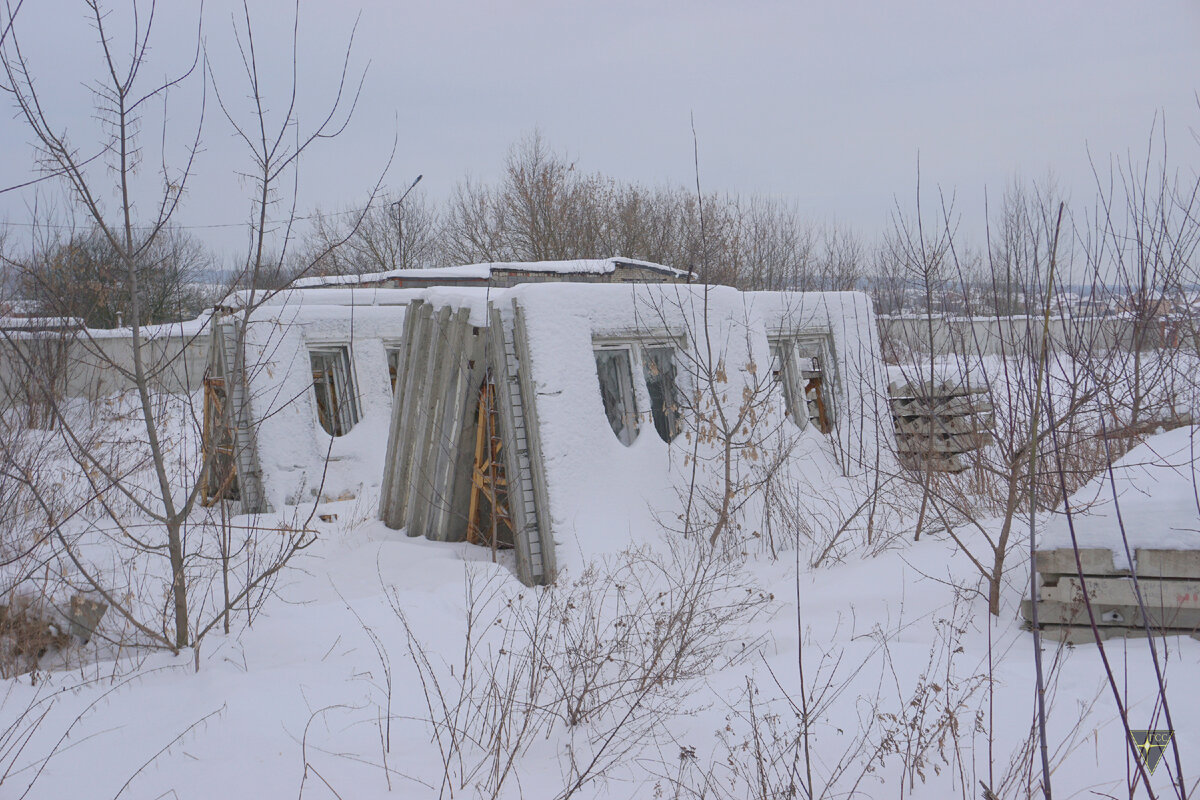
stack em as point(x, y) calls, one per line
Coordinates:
point(388, 493)
point(228, 350)
point(447, 426)
point(418, 325)
point(522, 498)
point(426, 406)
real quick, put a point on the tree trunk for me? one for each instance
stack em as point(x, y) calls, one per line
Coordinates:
point(178, 583)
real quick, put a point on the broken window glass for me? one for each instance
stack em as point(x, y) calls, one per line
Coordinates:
point(333, 388)
point(785, 372)
point(799, 365)
point(658, 367)
point(616, 390)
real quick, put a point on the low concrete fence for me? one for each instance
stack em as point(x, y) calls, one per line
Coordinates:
point(94, 364)
point(99, 363)
point(997, 335)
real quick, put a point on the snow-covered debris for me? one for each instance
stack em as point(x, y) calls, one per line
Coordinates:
point(1156, 504)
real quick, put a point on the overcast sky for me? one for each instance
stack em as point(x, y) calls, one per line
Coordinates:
point(824, 104)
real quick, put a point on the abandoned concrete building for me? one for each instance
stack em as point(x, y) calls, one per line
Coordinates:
point(553, 418)
point(536, 417)
point(532, 407)
point(342, 337)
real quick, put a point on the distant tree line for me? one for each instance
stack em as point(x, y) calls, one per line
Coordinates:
point(81, 276)
point(545, 207)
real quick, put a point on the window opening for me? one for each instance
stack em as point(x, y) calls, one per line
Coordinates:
point(333, 388)
point(658, 367)
point(800, 365)
point(613, 368)
point(393, 364)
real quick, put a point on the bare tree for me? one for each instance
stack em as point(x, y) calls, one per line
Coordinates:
point(122, 97)
point(404, 233)
point(921, 257)
point(540, 211)
point(83, 278)
point(140, 487)
point(1140, 244)
point(546, 208)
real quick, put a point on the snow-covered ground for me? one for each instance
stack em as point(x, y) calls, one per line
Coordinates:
point(324, 696)
point(1157, 501)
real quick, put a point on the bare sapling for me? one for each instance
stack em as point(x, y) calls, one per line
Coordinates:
point(139, 455)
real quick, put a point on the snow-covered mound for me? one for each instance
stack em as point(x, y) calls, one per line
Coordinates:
point(603, 494)
point(1156, 502)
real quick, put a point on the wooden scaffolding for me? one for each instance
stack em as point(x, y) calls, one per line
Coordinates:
point(488, 520)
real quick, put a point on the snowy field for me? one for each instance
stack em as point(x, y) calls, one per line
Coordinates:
point(330, 693)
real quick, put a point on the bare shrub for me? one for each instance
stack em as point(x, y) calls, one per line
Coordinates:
point(931, 723)
point(853, 715)
point(28, 630)
point(834, 725)
point(601, 657)
point(869, 518)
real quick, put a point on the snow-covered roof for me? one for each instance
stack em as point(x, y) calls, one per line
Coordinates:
point(483, 272)
point(324, 296)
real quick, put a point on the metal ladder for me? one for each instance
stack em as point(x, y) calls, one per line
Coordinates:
point(521, 500)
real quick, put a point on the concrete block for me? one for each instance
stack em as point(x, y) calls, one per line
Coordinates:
point(1095, 561)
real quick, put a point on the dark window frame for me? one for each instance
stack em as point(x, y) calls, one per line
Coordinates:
point(663, 390)
point(335, 390)
point(805, 364)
